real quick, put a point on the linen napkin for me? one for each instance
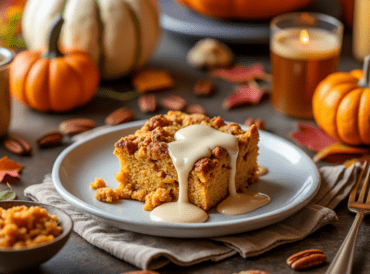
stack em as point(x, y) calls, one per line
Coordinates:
point(152, 252)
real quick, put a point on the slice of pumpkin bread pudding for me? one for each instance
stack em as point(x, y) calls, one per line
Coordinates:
point(147, 173)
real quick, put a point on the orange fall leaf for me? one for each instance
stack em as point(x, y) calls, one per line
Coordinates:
point(339, 148)
point(10, 168)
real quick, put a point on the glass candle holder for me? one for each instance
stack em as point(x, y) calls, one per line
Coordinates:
point(6, 57)
point(304, 49)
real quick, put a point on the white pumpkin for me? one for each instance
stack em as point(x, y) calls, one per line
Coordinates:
point(120, 35)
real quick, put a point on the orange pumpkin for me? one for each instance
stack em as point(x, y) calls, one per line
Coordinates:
point(341, 106)
point(244, 9)
point(53, 81)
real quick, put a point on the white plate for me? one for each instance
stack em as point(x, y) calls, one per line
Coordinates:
point(178, 19)
point(292, 181)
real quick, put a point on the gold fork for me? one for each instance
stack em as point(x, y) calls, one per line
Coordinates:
point(342, 262)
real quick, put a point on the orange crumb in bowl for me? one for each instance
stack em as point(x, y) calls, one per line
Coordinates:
point(23, 226)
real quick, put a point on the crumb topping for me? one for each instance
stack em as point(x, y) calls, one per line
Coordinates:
point(159, 130)
point(23, 226)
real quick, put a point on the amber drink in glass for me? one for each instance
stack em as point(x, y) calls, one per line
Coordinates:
point(304, 48)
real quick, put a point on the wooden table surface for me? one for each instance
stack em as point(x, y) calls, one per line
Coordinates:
point(78, 256)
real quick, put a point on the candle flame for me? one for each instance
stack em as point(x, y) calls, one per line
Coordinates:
point(303, 37)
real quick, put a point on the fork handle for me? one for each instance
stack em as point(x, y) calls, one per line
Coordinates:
point(342, 262)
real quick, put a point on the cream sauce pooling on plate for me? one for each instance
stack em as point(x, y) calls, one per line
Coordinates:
point(191, 144)
point(239, 203)
point(261, 170)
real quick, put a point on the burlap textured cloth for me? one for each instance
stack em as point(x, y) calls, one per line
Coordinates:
point(151, 252)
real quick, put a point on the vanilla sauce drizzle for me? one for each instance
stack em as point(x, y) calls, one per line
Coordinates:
point(191, 144)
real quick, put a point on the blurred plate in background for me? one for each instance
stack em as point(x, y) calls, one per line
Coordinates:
point(178, 19)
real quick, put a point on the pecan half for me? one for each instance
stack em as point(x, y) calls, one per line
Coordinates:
point(119, 116)
point(17, 145)
point(147, 103)
point(174, 102)
point(203, 87)
point(75, 126)
point(195, 109)
point(51, 138)
point(307, 258)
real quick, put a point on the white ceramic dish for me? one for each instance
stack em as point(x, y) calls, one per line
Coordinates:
point(178, 19)
point(292, 181)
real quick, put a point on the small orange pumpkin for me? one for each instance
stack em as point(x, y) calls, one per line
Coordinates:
point(53, 81)
point(244, 9)
point(341, 105)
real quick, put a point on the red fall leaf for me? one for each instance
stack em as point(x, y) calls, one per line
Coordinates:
point(312, 137)
point(326, 147)
point(240, 73)
point(245, 94)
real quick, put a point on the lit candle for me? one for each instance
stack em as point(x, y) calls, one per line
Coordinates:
point(301, 56)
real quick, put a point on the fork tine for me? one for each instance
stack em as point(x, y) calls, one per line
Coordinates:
point(353, 194)
point(361, 198)
point(342, 262)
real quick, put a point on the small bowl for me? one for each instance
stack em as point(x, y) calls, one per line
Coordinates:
point(17, 260)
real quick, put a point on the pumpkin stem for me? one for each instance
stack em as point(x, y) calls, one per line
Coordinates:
point(365, 80)
point(53, 50)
